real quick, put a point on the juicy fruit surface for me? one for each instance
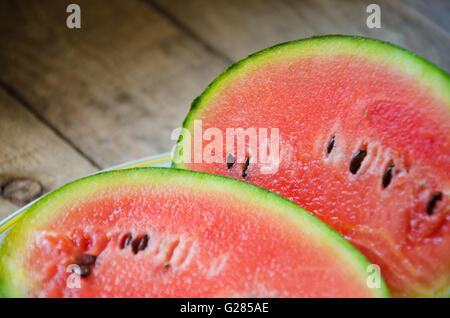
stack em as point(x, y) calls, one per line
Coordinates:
point(168, 233)
point(364, 145)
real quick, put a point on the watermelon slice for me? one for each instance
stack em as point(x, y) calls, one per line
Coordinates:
point(364, 144)
point(159, 232)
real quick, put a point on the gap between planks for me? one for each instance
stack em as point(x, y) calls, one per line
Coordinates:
point(25, 103)
point(189, 32)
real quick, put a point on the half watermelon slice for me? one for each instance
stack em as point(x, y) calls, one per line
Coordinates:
point(364, 144)
point(158, 232)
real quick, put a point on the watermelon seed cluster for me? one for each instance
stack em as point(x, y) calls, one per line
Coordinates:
point(230, 163)
point(357, 160)
point(138, 244)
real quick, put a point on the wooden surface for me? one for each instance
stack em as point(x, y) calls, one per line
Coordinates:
point(75, 101)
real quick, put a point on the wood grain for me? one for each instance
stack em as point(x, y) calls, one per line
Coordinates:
point(238, 28)
point(33, 159)
point(436, 11)
point(117, 87)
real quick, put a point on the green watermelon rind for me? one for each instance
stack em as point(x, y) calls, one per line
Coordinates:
point(428, 74)
point(41, 213)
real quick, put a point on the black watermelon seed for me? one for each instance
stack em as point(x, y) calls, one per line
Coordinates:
point(432, 202)
point(330, 145)
point(166, 266)
point(357, 159)
point(84, 270)
point(126, 240)
point(85, 259)
point(139, 244)
point(230, 161)
point(387, 177)
point(245, 167)
point(143, 243)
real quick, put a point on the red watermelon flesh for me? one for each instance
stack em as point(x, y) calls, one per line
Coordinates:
point(364, 145)
point(170, 233)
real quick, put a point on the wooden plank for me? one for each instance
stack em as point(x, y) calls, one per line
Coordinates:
point(118, 86)
point(436, 11)
point(238, 28)
point(33, 159)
